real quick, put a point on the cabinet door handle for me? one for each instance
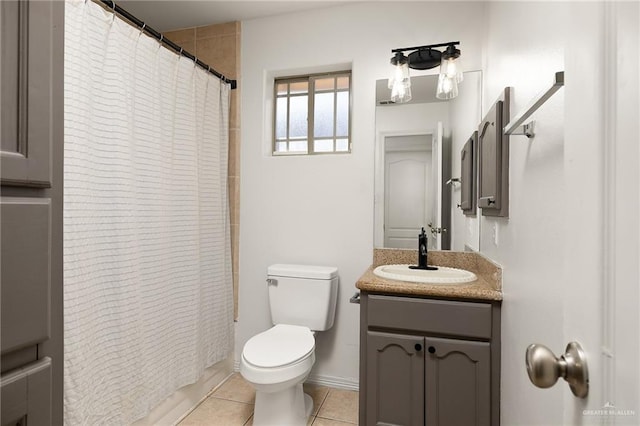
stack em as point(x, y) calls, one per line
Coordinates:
point(432, 350)
point(418, 347)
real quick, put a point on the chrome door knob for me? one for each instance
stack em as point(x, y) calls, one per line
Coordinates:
point(544, 368)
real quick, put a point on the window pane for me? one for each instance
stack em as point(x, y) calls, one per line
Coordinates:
point(298, 146)
point(323, 145)
point(342, 114)
point(342, 145)
point(325, 84)
point(299, 87)
point(298, 116)
point(281, 118)
point(323, 116)
point(343, 82)
point(281, 88)
point(330, 109)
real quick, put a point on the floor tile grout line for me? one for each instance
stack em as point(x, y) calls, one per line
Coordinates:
point(323, 400)
point(248, 420)
point(331, 418)
point(231, 399)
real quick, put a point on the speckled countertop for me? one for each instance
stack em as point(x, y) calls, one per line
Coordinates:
point(488, 286)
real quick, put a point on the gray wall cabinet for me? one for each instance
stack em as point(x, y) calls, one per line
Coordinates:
point(31, 173)
point(468, 161)
point(493, 161)
point(429, 362)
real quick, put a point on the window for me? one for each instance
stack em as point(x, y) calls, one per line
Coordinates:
point(326, 130)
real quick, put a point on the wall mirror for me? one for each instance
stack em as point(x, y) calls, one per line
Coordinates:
point(418, 152)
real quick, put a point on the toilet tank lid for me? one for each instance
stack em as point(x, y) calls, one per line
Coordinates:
point(303, 271)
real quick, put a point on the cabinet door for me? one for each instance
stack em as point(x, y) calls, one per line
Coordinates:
point(395, 379)
point(468, 176)
point(25, 395)
point(493, 149)
point(458, 382)
point(26, 281)
point(26, 119)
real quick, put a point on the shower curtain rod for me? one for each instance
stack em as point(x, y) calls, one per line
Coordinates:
point(161, 38)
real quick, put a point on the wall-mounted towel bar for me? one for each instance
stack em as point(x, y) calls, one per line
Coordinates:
point(515, 126)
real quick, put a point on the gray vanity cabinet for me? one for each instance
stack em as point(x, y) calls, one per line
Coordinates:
point(428, 362)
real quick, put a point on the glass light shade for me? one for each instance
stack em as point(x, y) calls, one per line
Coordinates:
point(450, 67)
point(400, 93)
point(399, 74)
point(447, 87)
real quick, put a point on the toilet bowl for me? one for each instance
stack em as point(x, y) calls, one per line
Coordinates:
point(277, 361)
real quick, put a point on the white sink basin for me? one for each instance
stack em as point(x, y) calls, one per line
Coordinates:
point(442, 276)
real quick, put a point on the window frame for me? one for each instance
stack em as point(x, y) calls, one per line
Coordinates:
point(311, 79)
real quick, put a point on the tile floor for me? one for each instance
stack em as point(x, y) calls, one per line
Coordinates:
point(232, 404)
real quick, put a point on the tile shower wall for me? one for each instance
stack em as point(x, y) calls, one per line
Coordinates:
point(219, 46)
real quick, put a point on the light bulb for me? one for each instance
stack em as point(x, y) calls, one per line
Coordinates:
point(400, 93)
point(399, 71)
point(447, 87)
point(450, 64)
point(399, 80)
point(450, 67)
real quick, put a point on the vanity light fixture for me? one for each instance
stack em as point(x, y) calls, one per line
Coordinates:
point(424, 58)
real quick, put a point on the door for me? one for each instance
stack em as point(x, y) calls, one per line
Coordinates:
point(407, 196)
point(598, 301)
point(395, 379)
point(609, 330)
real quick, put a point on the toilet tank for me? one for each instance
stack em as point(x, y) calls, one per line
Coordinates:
point(303, 295)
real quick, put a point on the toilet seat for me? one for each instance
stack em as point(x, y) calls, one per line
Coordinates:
point(278, 347)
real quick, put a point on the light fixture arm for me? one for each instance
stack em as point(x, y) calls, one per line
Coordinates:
point(429, 46)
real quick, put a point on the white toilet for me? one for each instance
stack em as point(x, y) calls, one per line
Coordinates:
point(277, 361)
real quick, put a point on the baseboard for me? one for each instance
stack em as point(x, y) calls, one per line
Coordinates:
point(334, 382)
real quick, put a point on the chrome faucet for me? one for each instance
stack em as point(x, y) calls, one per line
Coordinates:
point(422, 253)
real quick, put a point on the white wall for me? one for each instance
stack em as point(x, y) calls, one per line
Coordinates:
point(319, 209)
point(531, 242)
point(465, 112)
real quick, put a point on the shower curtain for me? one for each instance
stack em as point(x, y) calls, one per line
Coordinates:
point(148, 301)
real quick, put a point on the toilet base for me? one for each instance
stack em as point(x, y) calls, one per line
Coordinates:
point(288, 407)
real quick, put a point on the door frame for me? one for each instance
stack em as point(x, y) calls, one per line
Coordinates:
point(621, 220)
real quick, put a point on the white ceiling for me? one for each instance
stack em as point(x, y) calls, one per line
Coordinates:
point(166, 15)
